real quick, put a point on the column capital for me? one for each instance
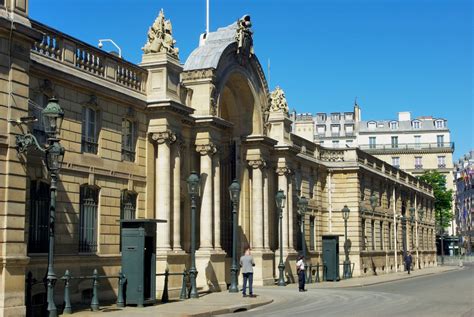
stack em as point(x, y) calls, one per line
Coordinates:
point(206, 149)
point(258, 163)
point(283, 170)
point(164, 136)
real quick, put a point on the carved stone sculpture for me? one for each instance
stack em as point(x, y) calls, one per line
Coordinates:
point(278, 101)
point(160, 37)
point(244, 39)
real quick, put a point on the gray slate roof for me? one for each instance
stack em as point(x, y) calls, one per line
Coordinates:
point(209, 54)
point(425, 125)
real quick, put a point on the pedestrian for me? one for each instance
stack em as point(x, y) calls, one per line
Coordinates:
point(247, 264)
point(408, 261)
point(301, 273)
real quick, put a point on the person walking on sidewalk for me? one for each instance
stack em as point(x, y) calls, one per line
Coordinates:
point(247, 264)
point(408, 261)
point(301, 273)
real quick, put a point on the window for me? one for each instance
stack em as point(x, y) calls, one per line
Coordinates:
point(349, 129)
point(321, 117)
point(312, 246)
point(416, 124)
point(321, 129)
point(371, 125)
point(393, 125)
point(440, 140)
point(89, 200)
point(439, 124)
point(417, 141)
point(418, 162)
point(372, 234)
point(390, 236)
point(128, 207)
point(335, 143)
point(35, 109)
point(335, 129)
point(349, 116)
point(129, 137)
point(38, 233)
point(381, 235)
point(441, 161)
point(335, 116)
point(394, 142)
point(89, 130)
point(396, 161)
point(372, 142)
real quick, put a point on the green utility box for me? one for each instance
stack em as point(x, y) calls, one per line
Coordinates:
point(331, 258)
point(139, 260)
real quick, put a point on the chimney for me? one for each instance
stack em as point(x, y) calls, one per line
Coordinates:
point(404, 116)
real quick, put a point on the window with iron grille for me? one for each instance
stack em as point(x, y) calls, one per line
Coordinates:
point(89, 130)
point(38, 233)
point(312, 245)
point(128, 207)
point(129, 136)
point(89, 200)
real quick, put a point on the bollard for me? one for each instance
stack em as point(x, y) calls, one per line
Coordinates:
point(67, 299)
point(182, 295)
point(29, 285)
point(317, 274)
point(120, 301)
point(165, 298)
point(95, 298)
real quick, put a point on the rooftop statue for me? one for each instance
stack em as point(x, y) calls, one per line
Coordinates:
point(278, 101)
point(160, 37)
point(244, 38)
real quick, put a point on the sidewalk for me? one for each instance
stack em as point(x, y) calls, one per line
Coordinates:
point(225, 302)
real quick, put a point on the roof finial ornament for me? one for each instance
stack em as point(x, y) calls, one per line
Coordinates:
point(278, 101)
point(160, 37)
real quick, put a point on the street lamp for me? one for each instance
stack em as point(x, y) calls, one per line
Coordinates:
point(280, 199)
point(234, 192)
point(373, 202)
point(100, 44)
point(404, 235)
point(52, 117)
point(363, 211)
point(193, 190)
point(347, 264)
point(302, 207)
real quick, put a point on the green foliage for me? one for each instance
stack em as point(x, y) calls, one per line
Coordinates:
point(443, 197)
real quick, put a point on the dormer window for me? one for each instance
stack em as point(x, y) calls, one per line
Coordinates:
point(371, 125)
point(335, 116)
point(393, 125)
point(439, 124)
point(416, 124)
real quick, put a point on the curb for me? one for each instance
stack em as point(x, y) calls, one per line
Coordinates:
point(230, 310)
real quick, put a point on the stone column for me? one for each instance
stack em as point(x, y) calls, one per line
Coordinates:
point(266, 209)
point(283, 185)
point(206, 219)
point(163, 187)
point(177, 197)
point(289, 199)
point(257, 203)
point(217, 202)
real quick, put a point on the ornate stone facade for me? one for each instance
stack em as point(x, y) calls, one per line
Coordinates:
point(141, 137)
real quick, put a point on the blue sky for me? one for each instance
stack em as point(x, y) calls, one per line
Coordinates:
point(394, 55)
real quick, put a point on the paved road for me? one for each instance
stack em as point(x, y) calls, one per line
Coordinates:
point(448, 294)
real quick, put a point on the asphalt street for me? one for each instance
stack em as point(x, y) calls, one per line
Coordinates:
point(448, 294)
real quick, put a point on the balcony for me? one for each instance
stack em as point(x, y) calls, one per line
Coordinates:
point(418, 166)
point(409, 147)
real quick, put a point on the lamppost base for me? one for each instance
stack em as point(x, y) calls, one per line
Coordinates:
point(233, 288)
point(281, 279)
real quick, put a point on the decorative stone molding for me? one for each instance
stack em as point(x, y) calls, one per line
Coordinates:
point(283, 170)
point(278, 101)
point(259, 163)
point(212, 100)
point(165, 136)
point(160, 37)
point(206, 149)
point(332, 156)
point(198, 74)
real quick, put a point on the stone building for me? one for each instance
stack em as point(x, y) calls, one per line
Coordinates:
point(133, 134)
point(464, 175)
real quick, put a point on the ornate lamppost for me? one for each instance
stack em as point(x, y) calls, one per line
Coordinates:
point(347, 263)
point(52, 117)
point(420, 218)
point(193, 190)
point(363, 211)
point(234, 191)
point(280, 199)
point(302, 207)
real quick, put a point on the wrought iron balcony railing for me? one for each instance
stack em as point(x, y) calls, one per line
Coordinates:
point(408, 146)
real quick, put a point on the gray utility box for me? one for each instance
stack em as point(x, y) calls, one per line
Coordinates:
point(139, 260)
point(331, 257)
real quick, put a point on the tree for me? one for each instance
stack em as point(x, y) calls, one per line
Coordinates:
point(443, 197)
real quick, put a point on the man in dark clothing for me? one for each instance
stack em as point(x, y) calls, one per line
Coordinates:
point(408, 261)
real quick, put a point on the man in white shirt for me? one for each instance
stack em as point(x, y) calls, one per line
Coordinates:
point(301, 273)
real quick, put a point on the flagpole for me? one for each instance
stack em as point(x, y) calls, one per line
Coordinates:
point(207, 16)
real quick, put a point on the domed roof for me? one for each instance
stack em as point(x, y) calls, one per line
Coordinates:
point(209, 54)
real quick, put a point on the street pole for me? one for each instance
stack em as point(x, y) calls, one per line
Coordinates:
point(51, 276)
point(442, 236)
point(346, 261)
point(281, 266)
point(192, 270)
point(404, 237)
point(233, 270)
